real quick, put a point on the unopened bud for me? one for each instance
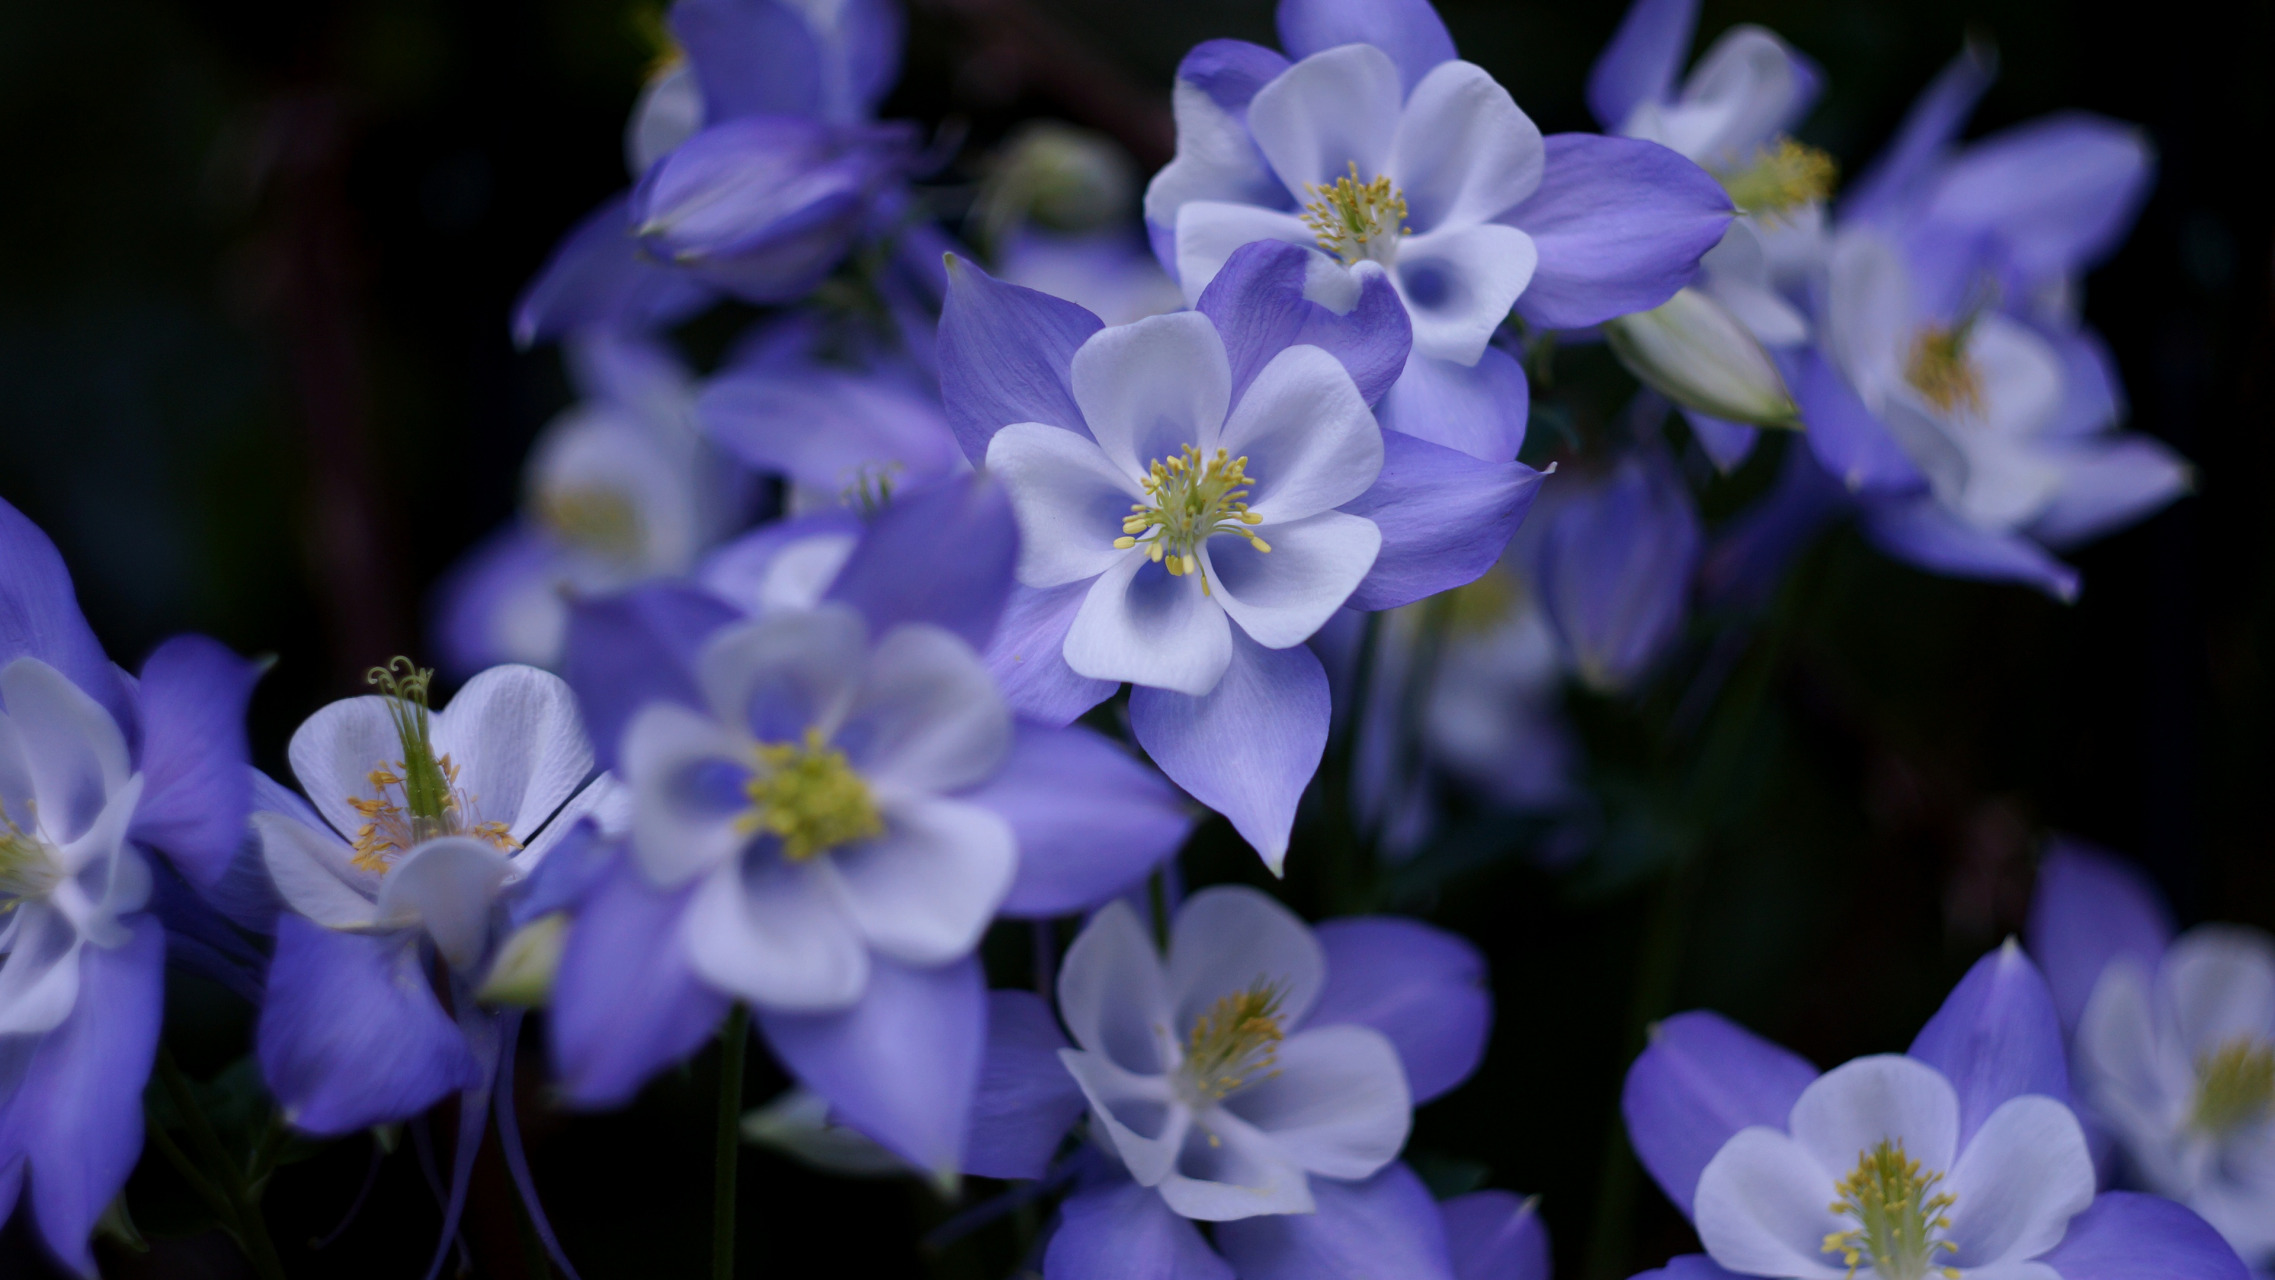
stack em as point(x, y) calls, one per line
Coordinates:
point(1694, 352)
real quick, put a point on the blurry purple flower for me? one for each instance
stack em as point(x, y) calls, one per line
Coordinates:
point(841, 436)
point(1613, 568)
point(1108, 273)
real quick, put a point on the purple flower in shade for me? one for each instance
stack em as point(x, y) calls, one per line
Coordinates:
point(1109, 273)
point(1261, 1077)
point(1389, 158)
point(1492, 717)
point(2172, 1039)
point(1959, 1158)
point(98, 770)
point(1198, 493)
point(829, 805)
point(1613, 568)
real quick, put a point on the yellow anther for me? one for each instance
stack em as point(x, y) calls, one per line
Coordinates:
point(2235, 1086)
point(1194, 499)
point(597, 519)
point(807, 795)
point(1779, 177)
point(1235, 1041)
point(1357, 220)
point(1897, 1211)
point(1939, 368)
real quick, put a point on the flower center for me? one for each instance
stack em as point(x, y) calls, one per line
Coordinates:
point(1190, 501)
point(1897, 1211)
point(416, 798)
point(1939, 368)
point(871, 488)
point(28, 865)
point(2235, 1086)
point(1780, 177)
point(597, 519)
point(1236, 1041)
point(808, 795)
point(1357, 220)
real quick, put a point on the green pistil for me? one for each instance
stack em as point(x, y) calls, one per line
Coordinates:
point(425, 778)
point(1897, 1211)
point(809, 796)
point(2235, 1086)
point(1191, 501)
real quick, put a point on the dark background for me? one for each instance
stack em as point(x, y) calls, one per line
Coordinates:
point(255, 379)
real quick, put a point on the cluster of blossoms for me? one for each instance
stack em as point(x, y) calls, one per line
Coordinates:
point(954, 597)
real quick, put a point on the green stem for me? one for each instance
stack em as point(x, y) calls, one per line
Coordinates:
point(251, 1229)
point(1342, 872)
point(727, 1146)
point(183, 1165)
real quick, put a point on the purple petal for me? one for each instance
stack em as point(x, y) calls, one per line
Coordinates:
point(942, 556)
point(599, 279)
point(1936, 118)
point(1028, 656)
point(1005, 356)
point(1996, 1037)
point(640, 647)
point(1702, 1079)
point(1620, 224)
point(351, 1034)
point(1689, 1266)
point(625, 1004)
point(1642, 60)
point(1027, 1100)
point(751, 57)
point(1479, 409)
point(40, 618)
point(196, 787)
point(1613, 569)
point(2058, 192)
point(1850, 442)
point(1495, 1235)
point(1445, 519)
point(2111, 482)
point(824, 427)
point(2090, 908)
point(1424, 988)
point(467, 601)
point(1230, 71)
point(1259, 305)
point(903, 1065)
point(1726, 443)
point(2124, 1236)
point(1921, 533)
point(1092, 822)
point(1123, 1231)
point(77, 1116)
point(1410, 31)
point(1385, 1226)
point(1248, 748)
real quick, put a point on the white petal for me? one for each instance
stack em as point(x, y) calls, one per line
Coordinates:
point(924, 891)
point(1141, 1114)
point(2136, 1080)
point(1283, 596)
point(927, 716)
point(519, 745)
point(597, 450)
point(2219, 982)
point(686, 774)
point(776, 934)
point(1333, 110)
point(1069, 499)
point(1226, 1170)
point(313, 874)
point(1310, 440)
point(1337, 1104)
point(2024, 1175)
point(1113, 995)
point(119, 883)
point(1229, 938)
point(1139, 624)
point(777, 677)
point(2022, 376)
point(1215, 161)
point(1888, 1097)
point(1458, 285)
point(334, 752)
point(1868, 313)
point(1208, 231)
point(1736, 98)
point(72, 752)
point(1465, 152)
point(1151, 387)
point(1762, 1208)
point(447, 887)
point(39, 977)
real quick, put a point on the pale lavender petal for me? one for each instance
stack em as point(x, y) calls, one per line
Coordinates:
point(1422, 987)
point(1996, 1037)
point(1642, 60)
point(1727, 443)
point(1689, 1266)
point(1006, 355)
point(943, 556)
point(1410, 31)
point(1479, 409)
point(1123, 1231)
point(1495, 1235)
point(1925, 137)
point(828, 428)
point(1231, 71)
point(1702, 1079)
point(196, 788)
point(1028, 660)
point(1384, 1226)
point(2108, 484)
point(625, 1003)
point(1092, 822)
point(40, 618)
point(1027, 1100)
point(2091, 908)
point(1270, 296)
point(2058, 192)
point(640, 647)
point(1620, 224)
point(1851, 444)
point(1922, 533)
point(2124, 1236)
point(1445, 518)
point(600, 278)
point(509, 577)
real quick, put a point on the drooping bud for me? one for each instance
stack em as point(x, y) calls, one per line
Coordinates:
point(1694, 352)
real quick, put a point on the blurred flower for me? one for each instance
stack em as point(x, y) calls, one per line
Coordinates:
point(1107, 273)
point(1613, 568)
point(1057, 177)
point(1493, 718)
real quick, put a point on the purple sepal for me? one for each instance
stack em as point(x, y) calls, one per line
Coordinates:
point(942, 556)
point(639, 647)
point(1924, 138)
point(1620, 224)
point(1122, 1231)
point(1702, 1079)
point(1028, 660)
point(1495, 1235)
point(625, 1004)
point(195, 786)
point(2125, 1236)
point(1006, 355)
point(1850, 443)
point(574, 869)
point(1027, 1100)
point(1921, 532)
point(1424, 988)
point(1410, 31)
point(824, 427)
point(2090, 908)
point(40, 618)
point(1384, 1226)
point(599, 279)
point(75, 1119)
point(736, 571)
point(1479, 409)
point(751, 57)
point(199, 937)
point(1613, 569)
point(903, 1065)
point(1091, 821)
point(1258, 306)
point(1727, 444)
point(1689, 1266)
point(2058, 193)
point(1996, 1037)
point(1230, 71)
point(1249, 747)
point(351, 1034)
point(1445, 518)
point(1642, 60)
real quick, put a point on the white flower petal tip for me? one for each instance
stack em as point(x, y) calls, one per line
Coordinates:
point(1693, 351)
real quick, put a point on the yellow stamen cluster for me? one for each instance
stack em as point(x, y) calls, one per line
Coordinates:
point(1236, 1041)
point(416, 798)
point(597, 519)
point(28, 868)
point(1357, 220)
point(1939, 367)
point(1191, 501)
point(1780, 177)
point(1898, 1211)
point(808, 795)
point(2235, 1086)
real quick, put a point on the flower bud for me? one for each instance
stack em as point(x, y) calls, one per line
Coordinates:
point(523, 972)
point(1694, 352)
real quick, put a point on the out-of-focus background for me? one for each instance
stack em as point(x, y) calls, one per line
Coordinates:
point(256, 380)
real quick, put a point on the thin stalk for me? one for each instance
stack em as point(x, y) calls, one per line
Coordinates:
point(252, 1230)
point(1346, 847)
point(727, 1144)
point(191, 1174)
